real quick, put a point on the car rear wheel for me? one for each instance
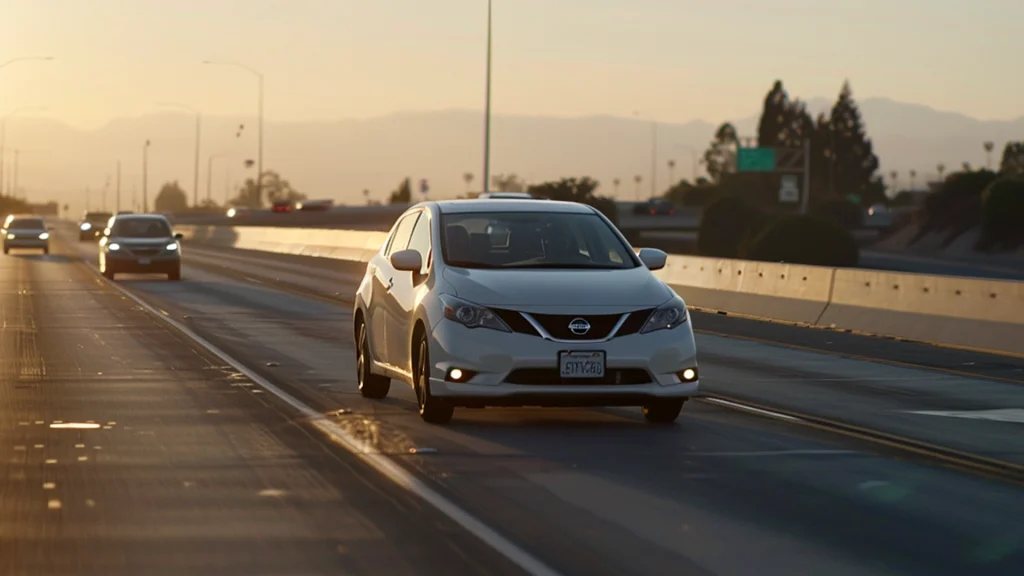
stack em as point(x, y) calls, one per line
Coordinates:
point(373, 386)
point(433, 410)
point(663, 411)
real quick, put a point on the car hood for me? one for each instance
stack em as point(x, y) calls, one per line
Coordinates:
point(635, 287)
point(26, 230)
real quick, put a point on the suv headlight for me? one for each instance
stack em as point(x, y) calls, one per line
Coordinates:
point(666, 317)
point(471, 315)
point(85, 226)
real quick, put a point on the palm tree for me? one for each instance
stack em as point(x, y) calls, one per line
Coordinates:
point(671, 171)
point(941, 168)
point(638, 179)
point(967, 166)
point(616, 183)
point(468, 177)
point(913, 174)
point(988, 146)
point(895, 176)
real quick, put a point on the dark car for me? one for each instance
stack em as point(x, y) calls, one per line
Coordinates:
point(25, 232)
point(314, 205)
point(92, 225)
point(140, 244)
point(655, 207)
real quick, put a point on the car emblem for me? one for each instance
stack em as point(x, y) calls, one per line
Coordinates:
point(579, 326)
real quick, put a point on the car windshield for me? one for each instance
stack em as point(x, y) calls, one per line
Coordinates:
point(98, 216)
point(26, 224)
point(141, 228)
point(520, 240)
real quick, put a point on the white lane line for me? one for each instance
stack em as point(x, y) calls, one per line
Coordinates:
point(364, 451)
point(1015, 415)
point(752, 410)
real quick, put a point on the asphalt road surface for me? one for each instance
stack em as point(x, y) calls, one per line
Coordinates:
point(203, 472)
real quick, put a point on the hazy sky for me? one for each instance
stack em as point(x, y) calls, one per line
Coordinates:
point(672, 59)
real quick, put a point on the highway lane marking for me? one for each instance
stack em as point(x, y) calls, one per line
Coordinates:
point(1014, 415)
point(361, 449)
point(752, 410)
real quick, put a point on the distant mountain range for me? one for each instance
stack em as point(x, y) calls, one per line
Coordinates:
point(340, 158)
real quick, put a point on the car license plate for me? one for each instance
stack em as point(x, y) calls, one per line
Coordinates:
point(145, 261)
point(587, 364)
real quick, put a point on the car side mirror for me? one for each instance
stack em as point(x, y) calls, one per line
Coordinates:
point(407, 260)
point(178, 236)
point(653, 258)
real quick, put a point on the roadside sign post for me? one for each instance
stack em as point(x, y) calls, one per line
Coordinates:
point(789, 162)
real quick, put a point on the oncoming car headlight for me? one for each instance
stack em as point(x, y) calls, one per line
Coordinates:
point(44, 236)
point(85, 226)
point(172, 246)
point(666, 317)
point(113, 246)
point(471, 315)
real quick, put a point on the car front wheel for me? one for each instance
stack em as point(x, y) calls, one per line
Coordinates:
point(433, 410)
point(373, 386)
point(663, 411)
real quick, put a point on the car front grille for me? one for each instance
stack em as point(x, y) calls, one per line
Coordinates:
point(557, 325)
point(551, 377)
point(145, 251)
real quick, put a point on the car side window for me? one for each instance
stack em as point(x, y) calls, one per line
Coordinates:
point(400, 239)
point(420, 241)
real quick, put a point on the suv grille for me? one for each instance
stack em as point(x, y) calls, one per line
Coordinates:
point(145, 251)
point(550, 376)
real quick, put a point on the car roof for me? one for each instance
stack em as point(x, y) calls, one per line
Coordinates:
point(141, 217)
point(13, 217)
point(510, 205)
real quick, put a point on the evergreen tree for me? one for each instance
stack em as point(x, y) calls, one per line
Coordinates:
point(720, 157)
point(853, 172)
point(773, 117)
point(403, 195)
point(1012, 163)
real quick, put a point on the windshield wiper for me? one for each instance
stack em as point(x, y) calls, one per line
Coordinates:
point(471, 264)
point(567, 266)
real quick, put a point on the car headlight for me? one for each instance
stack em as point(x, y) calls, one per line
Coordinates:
point(666, 317)
point(113, 246)
point(85, 226)
point(172, 246)
point(471, 315)
point(10, 236)
point(44, 235)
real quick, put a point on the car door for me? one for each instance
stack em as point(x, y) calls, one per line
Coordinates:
point(404, 295)
point(380, 304)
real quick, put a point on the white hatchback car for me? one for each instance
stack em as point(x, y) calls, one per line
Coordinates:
point(521, 303)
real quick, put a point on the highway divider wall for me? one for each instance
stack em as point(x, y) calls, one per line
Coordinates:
point(965, 312)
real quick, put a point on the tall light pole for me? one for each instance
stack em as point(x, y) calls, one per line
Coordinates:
point(117, 192)
point(209, 175)
point(195, 167)
point(654, 155)
point(3, 138)
point(259, 155)
point(145, 176)
point(487, 107)
point(14, 183)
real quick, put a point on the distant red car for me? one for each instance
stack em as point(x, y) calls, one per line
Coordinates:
point(282, 206)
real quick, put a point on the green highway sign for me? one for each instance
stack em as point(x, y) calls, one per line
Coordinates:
point(756, 160)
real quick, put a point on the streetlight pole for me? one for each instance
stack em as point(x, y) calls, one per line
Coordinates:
point(259, 154)
point(3, 138)
point(117, 193)
point(487, 106)
point(145, 176)
point(195, 166)
point(14, 183)
point(209, 176)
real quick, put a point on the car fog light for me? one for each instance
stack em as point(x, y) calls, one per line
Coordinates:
point(459, 375)
point(688, 375)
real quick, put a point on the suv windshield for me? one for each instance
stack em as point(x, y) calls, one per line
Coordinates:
point(26, 224)
point(141, 228)
point(517, 240)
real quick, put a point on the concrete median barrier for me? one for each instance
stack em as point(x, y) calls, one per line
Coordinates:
point(968, 312)
point(983, 314)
